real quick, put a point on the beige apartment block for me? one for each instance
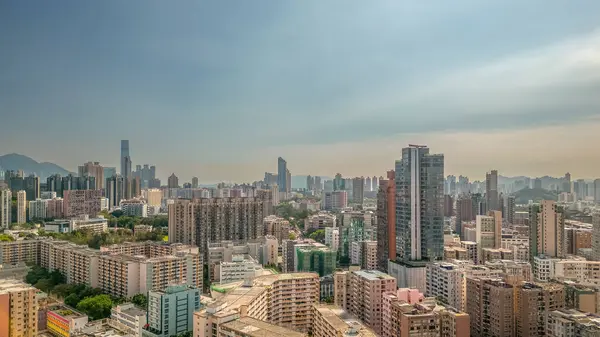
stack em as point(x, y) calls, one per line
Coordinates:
point(13, 252)
point(366, 295)
point(278, 227)
point(490, 307)
point(424, 318)
point(341, 289)
point(533, 302)
point(154, 197)
point(547, 229)
point(21, 207)
point(18, 309)
point(489, 230)
point(333, 321)
point(285, 300)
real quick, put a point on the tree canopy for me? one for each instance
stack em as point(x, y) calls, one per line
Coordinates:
point(96, 307)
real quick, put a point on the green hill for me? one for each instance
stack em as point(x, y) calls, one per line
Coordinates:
point(536, 194)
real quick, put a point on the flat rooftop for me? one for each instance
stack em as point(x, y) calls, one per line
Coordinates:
point(254, 328)
point(373, 275)
point(341, 320)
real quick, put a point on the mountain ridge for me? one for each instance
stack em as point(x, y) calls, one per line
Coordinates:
point(16, 161)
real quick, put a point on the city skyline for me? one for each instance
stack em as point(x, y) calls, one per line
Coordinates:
point(398, 80)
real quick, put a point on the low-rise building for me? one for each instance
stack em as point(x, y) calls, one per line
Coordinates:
point(320, 220)
point(134, 207)
point(240, 268)
point(129, 315)
point(64, 321)
point(571, 323)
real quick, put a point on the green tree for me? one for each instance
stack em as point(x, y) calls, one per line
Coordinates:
point(72, 300)
point(318, 235)
point(56, 277)
point(63, 290)
point(6, 237)
point(292, 236)
point(140, 300)
point(35, 274)
point(44, 285)
point(117, 214)
point(97, 307)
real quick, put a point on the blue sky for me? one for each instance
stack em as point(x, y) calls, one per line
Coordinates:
point(220, 89)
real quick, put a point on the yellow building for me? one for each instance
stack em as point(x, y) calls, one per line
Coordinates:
point(62, 320)
point(18, 309)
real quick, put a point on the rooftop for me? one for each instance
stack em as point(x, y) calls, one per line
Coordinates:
point(373, 275)
point(255, 328)
point(11, 285)
point(341, 320)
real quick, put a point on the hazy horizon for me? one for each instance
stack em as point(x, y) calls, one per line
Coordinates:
point(219, 92)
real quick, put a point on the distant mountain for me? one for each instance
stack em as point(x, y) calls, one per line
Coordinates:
point(536, 194)
point(15, 161)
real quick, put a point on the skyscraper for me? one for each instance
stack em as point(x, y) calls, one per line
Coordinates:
point(339, 184)
point(282, 174)
point(374, 183)
point(509, 209)
point(368, 187)
point(115, 190)
point(5, 207)
point(173, 181)
point(546, 230)
point(358, 189)
point(419, 214)
point(491, 191)
point(93, 169)
point(386, 221)
point(125, 159)
point(31, 185)
point(21, 207)
point(566, 185)
point(195, 182)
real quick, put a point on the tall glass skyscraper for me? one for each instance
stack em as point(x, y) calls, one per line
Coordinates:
point(282, 175)
point(125, 159)
point(419, 205)
point(419, 182)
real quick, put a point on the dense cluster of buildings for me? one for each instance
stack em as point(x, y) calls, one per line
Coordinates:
point(429, 256)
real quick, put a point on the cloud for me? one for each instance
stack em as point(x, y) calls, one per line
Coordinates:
point(535, 151)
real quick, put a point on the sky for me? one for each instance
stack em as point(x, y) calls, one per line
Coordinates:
point(220, 89)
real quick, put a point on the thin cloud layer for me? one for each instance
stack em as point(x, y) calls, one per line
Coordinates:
point(217, 91)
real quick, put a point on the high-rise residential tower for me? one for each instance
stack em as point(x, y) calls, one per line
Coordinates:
point(419, 214)
point(115, 190)
point(386, 221)
point(546, 230)
point(5, 207)
point(282, 174)
point(491, 191)
point(358, 189)
point(195, 182)
point(21, 207)
point(509, 209)
point(93, 169)
point(125, 159)
point(173, 181)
